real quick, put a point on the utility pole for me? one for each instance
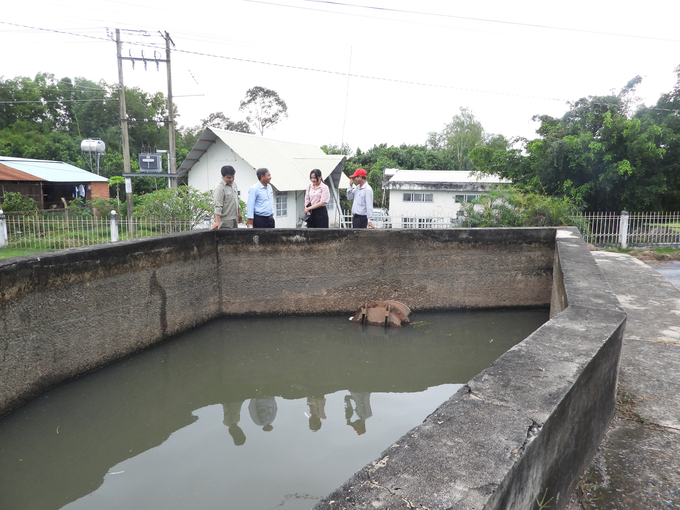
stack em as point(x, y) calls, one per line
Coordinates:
point(172, 156)
point(126, 139)
point(172, 149)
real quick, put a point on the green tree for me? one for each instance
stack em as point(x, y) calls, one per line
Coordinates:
point(337, 149)
point(264, 108)
point(460, 137)
point(595, 154)
point(221, 121)
point(183, 203)
point(218, 120)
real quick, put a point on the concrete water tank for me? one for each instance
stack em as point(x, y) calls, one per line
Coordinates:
point(92, 147)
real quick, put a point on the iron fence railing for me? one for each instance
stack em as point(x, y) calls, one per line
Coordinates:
point(58, 229)
point(381, 220)
point(603, 228)
point(50, 230)
point(629, 229)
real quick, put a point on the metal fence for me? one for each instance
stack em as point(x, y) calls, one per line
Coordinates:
point(58, 229)
point(613, 229)
point(381, 220)
point(629, 229)
point(69, 228)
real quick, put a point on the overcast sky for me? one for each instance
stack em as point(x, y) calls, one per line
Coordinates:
point(362, 72)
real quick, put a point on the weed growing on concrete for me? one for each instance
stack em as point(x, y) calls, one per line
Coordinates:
point(543, 504)
point(626, 409)
point(586, 488)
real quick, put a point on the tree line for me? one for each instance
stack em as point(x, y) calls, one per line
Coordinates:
point(606, 153)
point(47, 118)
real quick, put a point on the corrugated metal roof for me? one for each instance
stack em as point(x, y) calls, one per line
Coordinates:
point(445, 176)
point(201, 146)
point(289, 163)
point(328, 166)
point(11, 174)
point(50, 171)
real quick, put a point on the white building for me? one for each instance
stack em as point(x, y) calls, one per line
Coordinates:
point(289, 164)
point(417, 198)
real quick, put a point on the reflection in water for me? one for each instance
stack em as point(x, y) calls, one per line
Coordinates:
point(317, 412)
point(362, 408)
point(165, 429)
point(263, 412)
point(232, 415)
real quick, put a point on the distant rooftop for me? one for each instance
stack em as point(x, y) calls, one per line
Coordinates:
point(441, 176)
point(22, 169)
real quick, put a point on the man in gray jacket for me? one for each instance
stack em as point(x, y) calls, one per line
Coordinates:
point(227, 208)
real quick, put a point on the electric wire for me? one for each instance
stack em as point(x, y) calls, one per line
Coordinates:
point(311, 69)
point(300, 68)
point(485, 20)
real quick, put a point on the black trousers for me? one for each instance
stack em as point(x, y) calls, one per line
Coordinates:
point(263, 221)
point(359, 221)
point(318, 218)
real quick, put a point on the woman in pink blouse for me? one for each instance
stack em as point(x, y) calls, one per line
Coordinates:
point(316, 198)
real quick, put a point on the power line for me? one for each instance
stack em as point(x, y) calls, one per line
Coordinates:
point(410, 21)
point(63, 101)
point(310, 69)
point(516, 23)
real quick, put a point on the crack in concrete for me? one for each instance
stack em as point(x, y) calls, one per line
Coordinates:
point(391, 492)
point(375, 465)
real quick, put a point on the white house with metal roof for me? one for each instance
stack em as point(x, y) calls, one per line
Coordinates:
point(49, 183)
point(419, 197)
point(289, 163)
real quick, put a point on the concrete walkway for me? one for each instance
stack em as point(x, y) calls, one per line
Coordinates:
point(637, 466)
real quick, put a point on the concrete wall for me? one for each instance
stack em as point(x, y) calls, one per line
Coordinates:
point(522, 430)
point(528, 423)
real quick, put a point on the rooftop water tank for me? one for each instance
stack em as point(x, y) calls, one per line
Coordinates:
point(92, 147)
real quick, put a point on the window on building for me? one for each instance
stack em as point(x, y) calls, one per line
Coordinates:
point(466, 198)
point(418, 197)
point(281, 205)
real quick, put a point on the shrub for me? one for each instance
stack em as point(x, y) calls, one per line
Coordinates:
point(512, 208)
point(12, 201)
point(175, 204)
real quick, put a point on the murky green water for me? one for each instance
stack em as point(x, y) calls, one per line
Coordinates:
point(243, 413)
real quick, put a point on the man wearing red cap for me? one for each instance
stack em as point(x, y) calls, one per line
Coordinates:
point(362, 197)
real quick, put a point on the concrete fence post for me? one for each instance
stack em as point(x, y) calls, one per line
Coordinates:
point(4, 238)
point(623, 229)
point(114, 226)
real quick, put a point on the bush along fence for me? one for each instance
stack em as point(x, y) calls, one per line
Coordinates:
point(53, 230)
point(65, 228)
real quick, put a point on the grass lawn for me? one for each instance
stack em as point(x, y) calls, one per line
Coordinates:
point(672, 226)
point(18, 252)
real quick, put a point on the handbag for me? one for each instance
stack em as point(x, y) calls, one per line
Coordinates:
point(303, 216)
